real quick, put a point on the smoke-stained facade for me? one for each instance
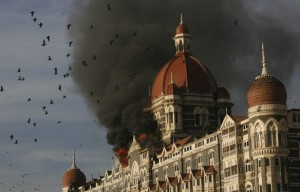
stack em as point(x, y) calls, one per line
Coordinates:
point(200, 145)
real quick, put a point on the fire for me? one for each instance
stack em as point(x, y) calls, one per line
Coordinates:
point(122, 156)
point(142, 137)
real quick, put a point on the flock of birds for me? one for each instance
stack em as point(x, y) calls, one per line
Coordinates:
point(31, 120)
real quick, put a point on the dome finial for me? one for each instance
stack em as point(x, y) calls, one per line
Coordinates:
point(74, 163)
point(181, 19)
point(264, 69)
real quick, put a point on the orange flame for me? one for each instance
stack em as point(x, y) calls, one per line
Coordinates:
point(122, 156)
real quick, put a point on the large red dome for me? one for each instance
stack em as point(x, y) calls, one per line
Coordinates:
point(188, 76)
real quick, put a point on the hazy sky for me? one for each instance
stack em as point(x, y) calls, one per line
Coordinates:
point(45, 161)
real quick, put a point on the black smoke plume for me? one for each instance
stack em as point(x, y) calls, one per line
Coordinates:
point(119, 46)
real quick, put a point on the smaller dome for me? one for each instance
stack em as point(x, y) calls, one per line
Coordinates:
point(73, 177)
point(222, 93)
point(266, 89)
point(181, 28)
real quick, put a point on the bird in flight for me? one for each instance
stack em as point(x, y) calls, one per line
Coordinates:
point(134, 33)
point(66, 75)
point(111, 42)
point(34, 124)
point(55, 71)
point(34, 19)
point(70, 43)
point(32, 13)
point(46, 112)
point(44, 107)
point(94, 57)
point(92, 26)
point(51, 101)
point(68, 55)
point(1, 88)
point(49, 58)
point(40, 24)
point(59, 87)
point(68, 26)
point(29, 99)
point(48, 38)
point(44, 43)
point(19, 79)
point(235, 22)
point(11, 137)
point(108, 7)
point(28, 121)
point(35, 140)
point(16, 142)
point(19, 70)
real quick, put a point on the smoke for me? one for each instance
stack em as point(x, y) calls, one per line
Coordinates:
point(118, 52)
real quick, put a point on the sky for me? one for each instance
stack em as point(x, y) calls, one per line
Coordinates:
point(75, 122)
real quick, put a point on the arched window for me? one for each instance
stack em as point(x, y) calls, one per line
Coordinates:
point(201, 116)
point(199, 161)
point(173, 114)
point(166, 170)
point(248, 166)
point(211, 157)
point(187, 164)
point(156, 173)
point(272, 130)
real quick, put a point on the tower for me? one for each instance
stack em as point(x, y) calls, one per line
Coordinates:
point(185, 99)
point(73, 177)
point(267, 113)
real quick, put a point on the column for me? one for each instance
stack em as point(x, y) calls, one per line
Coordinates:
point(263, 174)
point(273, 174)
point(255, 169)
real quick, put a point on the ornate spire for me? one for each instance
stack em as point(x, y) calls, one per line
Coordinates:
point(264, 69)
point(74, 163)
point(181, 19)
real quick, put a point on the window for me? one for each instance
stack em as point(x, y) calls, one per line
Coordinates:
point(198, 182)
point(156, 174)
point(199, 161)
point(201, 116)
point(267, 162)
point(269, 188)
point(186, 185)
point(277, 162)
point(166, 170)
point(187, 164)
point(294, 117)
point(176, 168)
